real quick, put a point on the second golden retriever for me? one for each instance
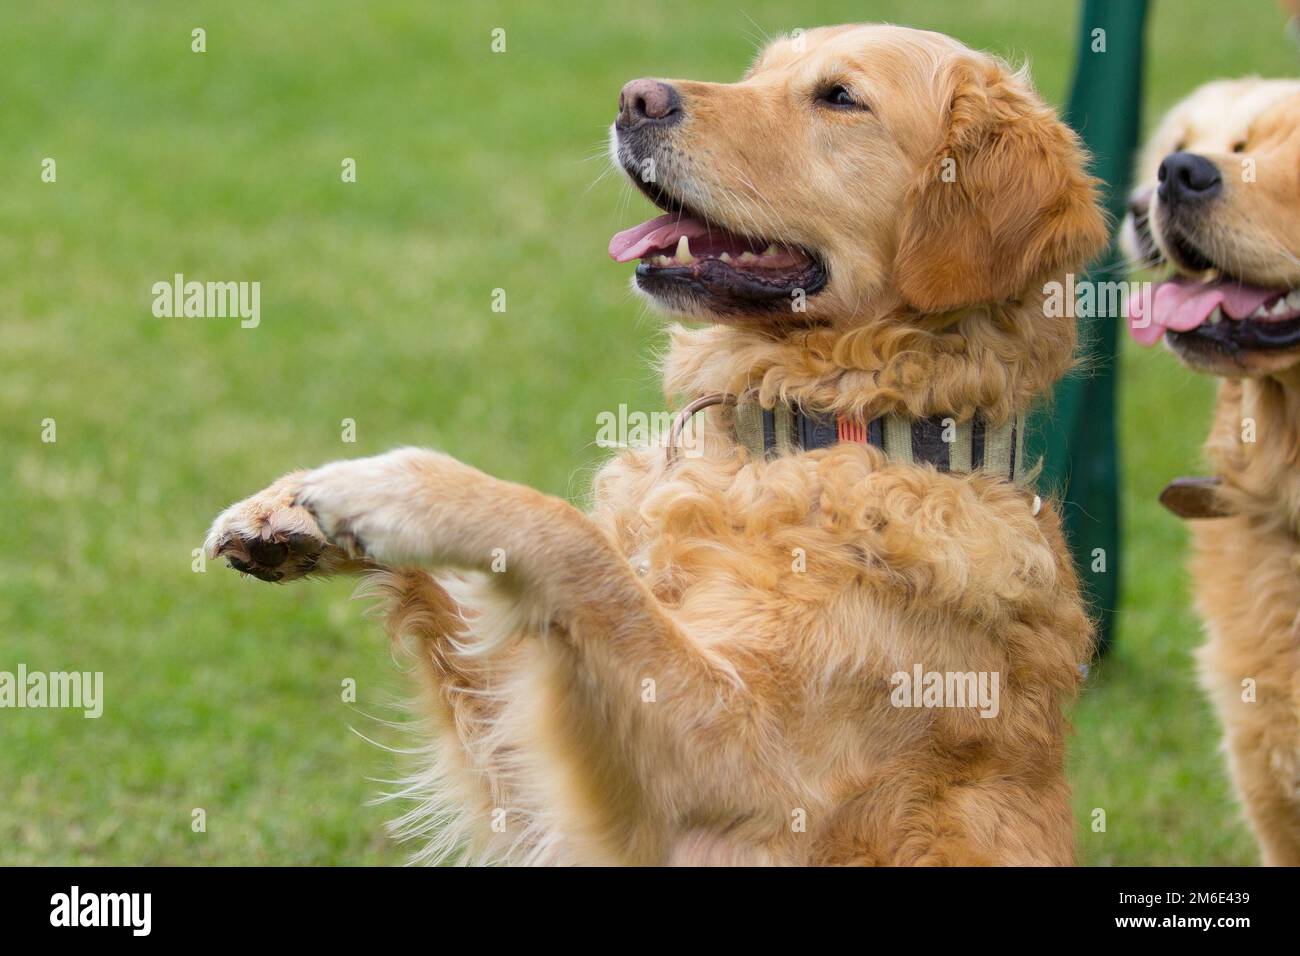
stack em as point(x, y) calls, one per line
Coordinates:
point(1224, 214)
point(771, 650)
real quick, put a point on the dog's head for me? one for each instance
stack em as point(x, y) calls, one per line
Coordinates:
point(1215, 118)
point(852, 172)
point(1226, 171)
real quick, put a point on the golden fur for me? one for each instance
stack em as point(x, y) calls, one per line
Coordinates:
point(1246, 568)
point(1246, 578)
point(662, 679)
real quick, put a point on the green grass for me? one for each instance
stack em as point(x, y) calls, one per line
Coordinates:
point(473, 174)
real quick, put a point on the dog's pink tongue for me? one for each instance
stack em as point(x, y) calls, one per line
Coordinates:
point(1184, 304)
point(662, 232)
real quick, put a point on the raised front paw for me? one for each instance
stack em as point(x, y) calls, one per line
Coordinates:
point(272, 538)
point(377, 508)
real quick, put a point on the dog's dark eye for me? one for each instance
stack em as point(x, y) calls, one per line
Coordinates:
point(840, 98)
point(1239, 146)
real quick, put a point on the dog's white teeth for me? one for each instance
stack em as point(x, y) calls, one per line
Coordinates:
point(1260, 313)
point(1280, 307)
point(748, 257)
point(725, 257)
point(684, 251)
point(1216, 316)
point(1293, 299)
point(663, 261)
point(772, 250)
point(1210, 275)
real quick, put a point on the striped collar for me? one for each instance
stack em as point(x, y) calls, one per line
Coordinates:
point(939, 440)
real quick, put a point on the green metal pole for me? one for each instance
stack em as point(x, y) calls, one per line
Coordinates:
point(1076, 434)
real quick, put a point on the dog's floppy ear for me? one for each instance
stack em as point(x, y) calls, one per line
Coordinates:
point(1004, 201)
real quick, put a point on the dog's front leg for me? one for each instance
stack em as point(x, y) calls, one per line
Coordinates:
point(657, 723)
point(414, 507)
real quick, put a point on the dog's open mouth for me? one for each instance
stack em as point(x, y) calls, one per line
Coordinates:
point(1220, 314)
point(1208, 316)
point(1203, 312)
point(693, 263)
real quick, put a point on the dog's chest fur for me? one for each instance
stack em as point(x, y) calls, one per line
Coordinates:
point(838, 570)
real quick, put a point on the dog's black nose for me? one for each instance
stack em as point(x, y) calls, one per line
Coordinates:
point(1187, 177)
point(644, 102)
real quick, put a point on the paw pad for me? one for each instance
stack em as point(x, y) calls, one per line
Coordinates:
point(276, 558)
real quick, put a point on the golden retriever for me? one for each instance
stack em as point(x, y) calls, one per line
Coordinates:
point(1224, 215)
point(715, 664)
